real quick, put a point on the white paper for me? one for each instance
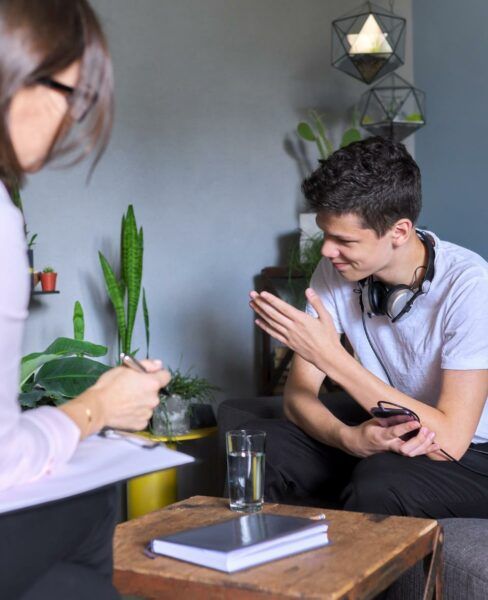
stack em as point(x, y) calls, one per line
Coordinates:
point(97, 462)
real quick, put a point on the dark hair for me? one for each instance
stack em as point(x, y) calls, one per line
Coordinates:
point(375, 179)
point(39, 38)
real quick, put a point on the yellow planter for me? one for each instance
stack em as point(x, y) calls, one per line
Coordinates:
point(156, 490)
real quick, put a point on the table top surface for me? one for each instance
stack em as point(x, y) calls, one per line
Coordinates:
point(366, 553)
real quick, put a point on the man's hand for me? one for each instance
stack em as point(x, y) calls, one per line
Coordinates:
point(313, 339)
point(371, 438)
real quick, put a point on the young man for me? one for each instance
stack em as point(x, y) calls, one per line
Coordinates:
point(414, 308)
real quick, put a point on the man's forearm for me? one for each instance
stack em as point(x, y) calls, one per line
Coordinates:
point(307, 412)
point(367, 390)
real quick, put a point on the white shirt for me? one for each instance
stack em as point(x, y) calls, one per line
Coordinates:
point(447, 328)
point(35, 441)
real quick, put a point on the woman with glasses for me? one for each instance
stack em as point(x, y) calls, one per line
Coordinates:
point(55, 102)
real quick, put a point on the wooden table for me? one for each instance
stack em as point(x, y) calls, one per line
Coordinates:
point(367, 553)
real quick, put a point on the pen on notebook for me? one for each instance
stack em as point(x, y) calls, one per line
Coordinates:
point(133, 363)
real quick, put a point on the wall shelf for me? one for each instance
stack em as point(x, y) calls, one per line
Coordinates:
point(45, 293)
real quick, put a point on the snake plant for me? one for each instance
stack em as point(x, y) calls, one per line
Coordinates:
point(125, 292)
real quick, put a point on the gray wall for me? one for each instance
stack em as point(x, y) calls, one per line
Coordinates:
point(208, 91)
point(451, 48)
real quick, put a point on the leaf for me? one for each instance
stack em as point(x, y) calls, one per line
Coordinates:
point(414, 118)
point(350, 135)
point(59, 348)
point(134, 250)
point(319, 124)
point(114, 293)
point(69, 377)
point(31, 363)
point(17, 199)
point(78, 322)
point(123, 257)
point(63, 346)
point(31, 399)
point(146, 319)
point(305, 132)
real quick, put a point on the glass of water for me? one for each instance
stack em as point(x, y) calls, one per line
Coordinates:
point(245, 469)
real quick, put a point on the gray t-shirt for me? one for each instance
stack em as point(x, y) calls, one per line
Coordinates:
point(447, 328)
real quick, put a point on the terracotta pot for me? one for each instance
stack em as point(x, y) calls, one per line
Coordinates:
point(48, 282)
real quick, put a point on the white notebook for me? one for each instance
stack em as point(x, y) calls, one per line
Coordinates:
point(237, 544)
point(97, 462)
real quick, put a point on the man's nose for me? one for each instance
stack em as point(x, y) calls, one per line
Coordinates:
point(329, 249)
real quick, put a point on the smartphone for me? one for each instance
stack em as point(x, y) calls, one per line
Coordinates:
point(393, 416)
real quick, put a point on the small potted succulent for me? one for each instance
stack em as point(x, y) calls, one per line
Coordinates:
point(48, 279)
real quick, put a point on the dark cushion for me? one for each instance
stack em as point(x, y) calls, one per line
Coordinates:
point(465, 564)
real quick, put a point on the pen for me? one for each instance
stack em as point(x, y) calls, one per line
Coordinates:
point(133, 363)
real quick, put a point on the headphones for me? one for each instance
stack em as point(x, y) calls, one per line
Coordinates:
point(376, 298)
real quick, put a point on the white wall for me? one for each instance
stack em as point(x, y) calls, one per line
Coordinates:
point(207, 93)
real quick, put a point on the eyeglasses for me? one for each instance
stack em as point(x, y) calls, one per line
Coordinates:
point(81, 102)
point(126, 436)
point(67, 90)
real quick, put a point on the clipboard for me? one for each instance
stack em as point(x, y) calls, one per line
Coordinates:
point(96, 463)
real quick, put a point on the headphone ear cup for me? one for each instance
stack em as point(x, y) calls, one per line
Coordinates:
point(397, 299)
point(377, 293)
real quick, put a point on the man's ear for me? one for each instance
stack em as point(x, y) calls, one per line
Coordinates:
point(401, 231)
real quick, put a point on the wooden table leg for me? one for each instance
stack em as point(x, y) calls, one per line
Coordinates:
point(433, 584)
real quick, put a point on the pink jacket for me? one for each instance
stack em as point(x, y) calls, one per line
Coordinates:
point(36, 441)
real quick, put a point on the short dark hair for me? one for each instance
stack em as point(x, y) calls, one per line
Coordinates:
point(38, 39)
point(375, 179)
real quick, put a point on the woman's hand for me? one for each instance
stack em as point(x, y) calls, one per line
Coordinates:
point(315, 340)
point(122, 398)
point(128, 397)
point(370, 438)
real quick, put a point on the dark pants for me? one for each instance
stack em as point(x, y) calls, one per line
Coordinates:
point(62, 550)
point(301, 470)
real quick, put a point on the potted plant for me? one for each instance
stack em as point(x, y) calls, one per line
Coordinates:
point(124, 291)
point(48, 279)
point(185, 391)
point(315, 131)
point(63, 370)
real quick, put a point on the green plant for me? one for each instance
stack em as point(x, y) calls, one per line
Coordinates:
point(305, 258)
point(17, 200)
point(124, 292)
point(190, 387)
point(48, 270)
point(61, 371)
point(31, 241)
point(302, 261)
point(315, 131)
point(78, 322)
